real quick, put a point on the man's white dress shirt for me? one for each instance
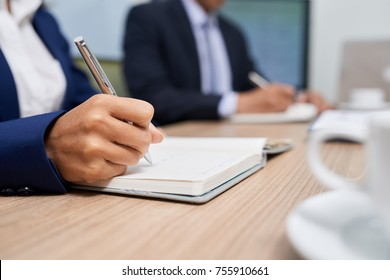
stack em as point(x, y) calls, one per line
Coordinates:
point(215, 70)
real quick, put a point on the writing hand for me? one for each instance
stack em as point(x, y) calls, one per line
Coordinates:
point(272, 98)
point(92, 142)
point(315, 99)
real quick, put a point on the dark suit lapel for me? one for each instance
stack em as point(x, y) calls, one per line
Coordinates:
point(185, 32)
point(226, 36)
point(46, 33)
point(50, 37)
point(230, 45)
point(9, 105)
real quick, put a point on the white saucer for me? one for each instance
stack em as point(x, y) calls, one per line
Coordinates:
point(362, 107)
point(337, 225)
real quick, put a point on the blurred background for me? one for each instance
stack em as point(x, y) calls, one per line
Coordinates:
point(295, 41)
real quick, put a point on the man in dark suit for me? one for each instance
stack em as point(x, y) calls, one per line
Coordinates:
point(83, 139)
point(192, 63)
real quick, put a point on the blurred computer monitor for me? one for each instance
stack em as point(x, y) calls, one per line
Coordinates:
point(277, 32)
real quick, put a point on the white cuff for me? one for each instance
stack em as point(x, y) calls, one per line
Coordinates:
point(228, 104)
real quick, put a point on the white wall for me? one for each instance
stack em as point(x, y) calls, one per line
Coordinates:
point(101, 22)
point(334, 22)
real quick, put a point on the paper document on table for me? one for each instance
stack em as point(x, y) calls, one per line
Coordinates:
point(342, 120)
point(298, 112)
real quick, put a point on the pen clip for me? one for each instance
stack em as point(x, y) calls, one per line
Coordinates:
point(94, 66)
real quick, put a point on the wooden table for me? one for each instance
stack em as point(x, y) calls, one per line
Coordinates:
point(246, 222)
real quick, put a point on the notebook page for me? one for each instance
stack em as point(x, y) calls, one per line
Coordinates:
point(194, 159)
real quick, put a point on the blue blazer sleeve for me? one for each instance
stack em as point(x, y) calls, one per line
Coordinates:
point(23, 159)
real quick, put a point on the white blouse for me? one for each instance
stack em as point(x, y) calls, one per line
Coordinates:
point(39, 79)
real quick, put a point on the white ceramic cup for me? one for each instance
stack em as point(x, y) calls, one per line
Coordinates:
point(367, 98)
point(377, 147)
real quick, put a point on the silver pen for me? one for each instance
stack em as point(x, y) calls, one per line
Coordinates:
point(258, 80)
point(98, 73)
point(261, 82)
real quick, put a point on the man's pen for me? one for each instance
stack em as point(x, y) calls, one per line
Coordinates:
point(257, 80)
point(98, 73)
point(261, 82)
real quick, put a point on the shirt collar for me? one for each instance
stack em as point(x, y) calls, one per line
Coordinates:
point(22, 10)
point(197, 15)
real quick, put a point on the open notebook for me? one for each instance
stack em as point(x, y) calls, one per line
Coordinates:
point(189, 169)
point(298, 112)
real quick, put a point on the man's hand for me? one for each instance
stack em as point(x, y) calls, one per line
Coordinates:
point(315, 99)
point(273, 98)
point(92, 142)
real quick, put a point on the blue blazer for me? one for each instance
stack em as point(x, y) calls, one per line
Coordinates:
point(23, 160)
point(161, 62)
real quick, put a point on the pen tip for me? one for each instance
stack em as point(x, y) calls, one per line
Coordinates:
point(148, 158)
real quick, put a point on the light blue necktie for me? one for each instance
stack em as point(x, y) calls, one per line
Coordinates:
point(212, 63)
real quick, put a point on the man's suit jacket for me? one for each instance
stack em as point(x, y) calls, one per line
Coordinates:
point(161, 62)
point(23, 160)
